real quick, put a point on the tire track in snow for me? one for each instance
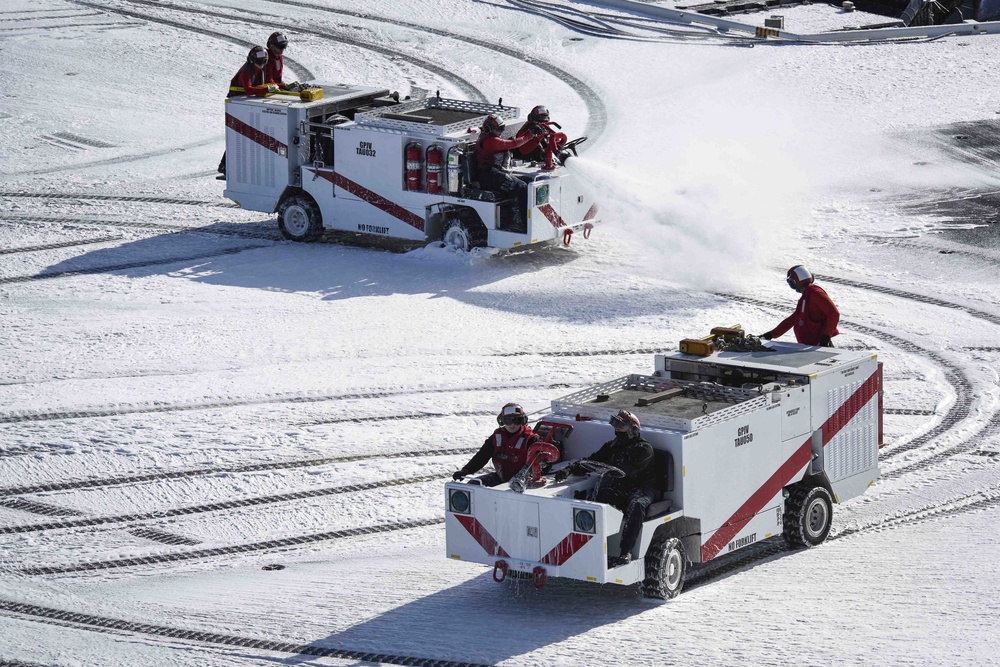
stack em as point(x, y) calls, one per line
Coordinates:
point(18, 417)
point(992, 318)
point(137, 198)
point(596, 110)
point(337, 36)
point(117, 267)
point(60, 244)
point(155, 515)
point(232, 550)
point(154, 226)
point(122, 480)
point(116, 626)
point(776, 546)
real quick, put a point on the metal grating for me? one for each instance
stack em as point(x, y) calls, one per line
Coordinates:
point(719, 403)
point(437, 115)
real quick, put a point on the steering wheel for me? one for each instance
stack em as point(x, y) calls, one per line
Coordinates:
point(573, 144)
point(601, 468)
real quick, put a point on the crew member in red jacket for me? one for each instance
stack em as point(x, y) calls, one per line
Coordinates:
point(534, 149)
point(493, 160)
point(275, 68)
point(251, 77)
point(815, 318)
point(507, 446)
point(250, 80)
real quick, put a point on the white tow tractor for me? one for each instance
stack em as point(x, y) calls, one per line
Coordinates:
point(750, 441)
point(357, 160)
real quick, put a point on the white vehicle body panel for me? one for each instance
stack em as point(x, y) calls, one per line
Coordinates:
point(740, 428)
point(348, 152)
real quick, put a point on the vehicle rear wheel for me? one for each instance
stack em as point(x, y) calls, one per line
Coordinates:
point(299, 219)
point(463, 235)
point(808, 516)
point(666, 564)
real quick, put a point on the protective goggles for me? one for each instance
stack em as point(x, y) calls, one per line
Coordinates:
point(260, 57)
point(617, 422)
point(508, 420)
point(280, 42)
point(791, 281)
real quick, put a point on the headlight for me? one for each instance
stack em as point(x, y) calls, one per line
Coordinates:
point(541, 195)
point(459, 501)
point(584, 521)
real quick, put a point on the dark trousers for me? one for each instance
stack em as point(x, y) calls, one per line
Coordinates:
point(505, 185)
point(633, 504)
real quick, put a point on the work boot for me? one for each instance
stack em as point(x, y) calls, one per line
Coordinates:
point(618, 561)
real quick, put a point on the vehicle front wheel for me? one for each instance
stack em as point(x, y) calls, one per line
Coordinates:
point(666, 564)
point(808, 516)
point(461, 235)
point(299, 219)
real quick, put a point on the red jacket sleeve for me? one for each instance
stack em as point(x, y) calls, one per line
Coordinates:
point(480, 458)
point(785, 325)
point(244, 79)
point(496, 144)
point(532, 142)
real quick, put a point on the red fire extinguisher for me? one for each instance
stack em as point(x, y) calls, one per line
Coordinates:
point(414, 166)
point(435, 169)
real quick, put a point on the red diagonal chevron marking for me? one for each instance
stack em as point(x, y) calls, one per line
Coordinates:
point(373, 198)
point(563, 551)
point(481, 535)
point(783, 475)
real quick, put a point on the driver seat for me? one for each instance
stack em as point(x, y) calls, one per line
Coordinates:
point(470, 178)
point(663, 462)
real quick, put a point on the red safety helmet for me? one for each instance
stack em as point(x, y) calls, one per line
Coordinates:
point(512, 413)
point(257, 56)
point(627, 421)
point(277, 41)
point(538, 115)
point(798, 277)
point(493, 125)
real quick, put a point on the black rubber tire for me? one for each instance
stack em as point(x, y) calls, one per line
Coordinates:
point(808, 516)
point(666, 565)
point(463, 235)
point(299, 219)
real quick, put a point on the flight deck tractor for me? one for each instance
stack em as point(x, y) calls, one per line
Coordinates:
point(752, 440)
point(359, 163)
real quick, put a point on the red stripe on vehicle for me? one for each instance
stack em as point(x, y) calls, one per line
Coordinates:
point(373, 198)
point(551, 215)
point(783, 475)
point(481, 535)
point(563, 551)
point(256, 136)
point(591, 213)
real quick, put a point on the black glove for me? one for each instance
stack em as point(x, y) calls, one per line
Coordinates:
point(561, 475)
point(824, 341)
point(458, 474)
point(766, 336)
point(537, 130)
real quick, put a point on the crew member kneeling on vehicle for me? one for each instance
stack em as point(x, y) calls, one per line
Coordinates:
point(507, 446)
point(249, 80)
point(493, 160)
point(815, 318)
point(631, 494)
